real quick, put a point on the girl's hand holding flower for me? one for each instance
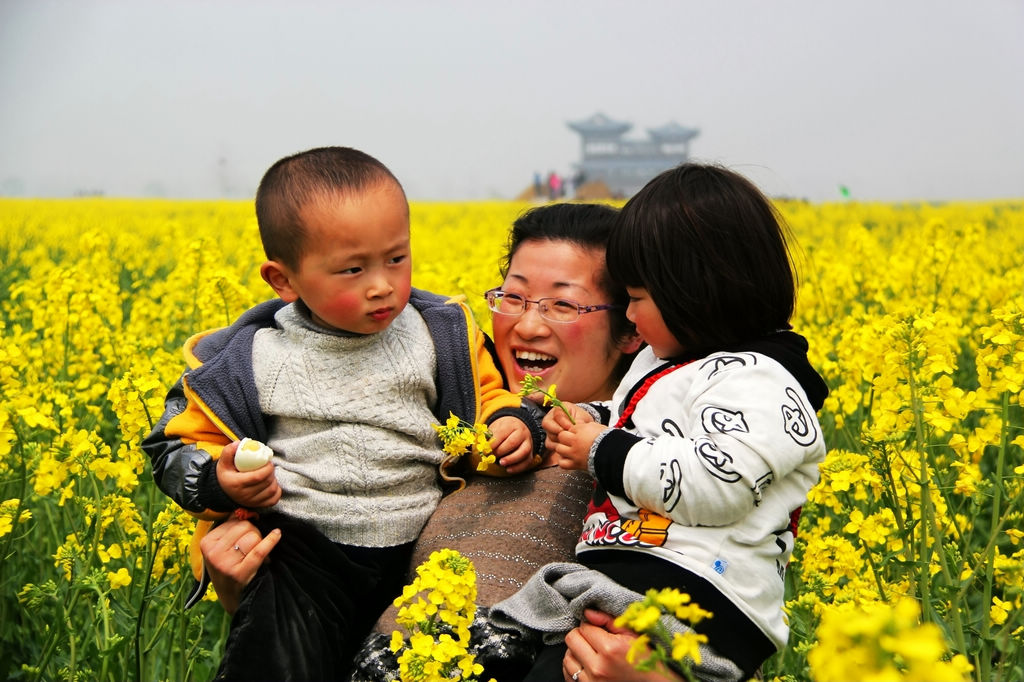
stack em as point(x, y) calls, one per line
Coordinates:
point(569, 414)
point(572, 448)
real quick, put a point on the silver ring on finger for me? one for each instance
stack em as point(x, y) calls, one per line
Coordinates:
point(244, 553)
point(576, 675)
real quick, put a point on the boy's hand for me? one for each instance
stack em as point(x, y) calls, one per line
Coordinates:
point(253, 489)
point(512, 444)
point(572, 450)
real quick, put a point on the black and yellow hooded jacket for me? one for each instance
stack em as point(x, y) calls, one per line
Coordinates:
point(215, 401)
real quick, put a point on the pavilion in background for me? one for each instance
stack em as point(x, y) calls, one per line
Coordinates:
point(626, 165)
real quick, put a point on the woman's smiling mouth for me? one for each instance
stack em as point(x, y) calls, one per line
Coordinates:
point(532, 361)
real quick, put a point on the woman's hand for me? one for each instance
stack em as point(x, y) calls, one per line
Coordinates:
point(233, 552)
point(252, 489)
point(598, 649)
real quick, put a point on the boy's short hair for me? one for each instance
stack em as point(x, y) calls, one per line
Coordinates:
point(295, 181)
point(713, 252)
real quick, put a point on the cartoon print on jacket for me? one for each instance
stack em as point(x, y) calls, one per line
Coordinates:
point(723, 362)
point(797, 421)
point(722, 420)
point(760, 486)
point(650, 528)
point(673, 478)
point(717, 462)
point(601, 504)
point(673, 482)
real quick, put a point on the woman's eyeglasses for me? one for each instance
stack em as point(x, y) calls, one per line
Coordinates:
point(551, 309)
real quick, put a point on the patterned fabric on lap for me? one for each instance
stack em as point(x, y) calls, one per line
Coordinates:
point(508, 527)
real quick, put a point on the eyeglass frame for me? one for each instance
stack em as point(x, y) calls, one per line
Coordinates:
point(541, 306)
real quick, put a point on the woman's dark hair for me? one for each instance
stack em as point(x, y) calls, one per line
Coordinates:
point(295, 181)
point(712, 252)
point(588, 226)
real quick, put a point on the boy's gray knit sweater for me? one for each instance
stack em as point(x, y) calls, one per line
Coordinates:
point(350, 425)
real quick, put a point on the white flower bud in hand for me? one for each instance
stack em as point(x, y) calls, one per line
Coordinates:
point(251, 455)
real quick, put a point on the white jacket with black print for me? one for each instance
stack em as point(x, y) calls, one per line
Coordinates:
point(711, 467)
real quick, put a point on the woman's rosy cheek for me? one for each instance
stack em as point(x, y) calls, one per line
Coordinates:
point(583, 332)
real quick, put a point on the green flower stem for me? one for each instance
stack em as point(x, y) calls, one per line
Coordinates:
point(886, 472)
point(72, 648)
point(947, 573)
point(531, 384)
point(22, 489)
point(154, 546)
point(182, 633)
point(558, 403)
point(145, 407)
point(103, 639)
point(65, 373)
point(928, 524)
point(874, 570)
point(997, 500)
point(925, 552)
point(51, 644)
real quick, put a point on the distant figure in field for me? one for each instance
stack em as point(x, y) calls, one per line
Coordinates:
point(554, 186)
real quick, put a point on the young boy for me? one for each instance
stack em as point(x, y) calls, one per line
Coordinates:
point(343, 380)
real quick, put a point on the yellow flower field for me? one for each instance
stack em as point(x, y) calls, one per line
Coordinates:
point(909, 558)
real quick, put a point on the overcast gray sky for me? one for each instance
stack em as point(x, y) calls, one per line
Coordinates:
point(895, 99)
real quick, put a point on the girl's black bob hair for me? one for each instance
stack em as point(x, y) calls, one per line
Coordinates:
point(712, 252)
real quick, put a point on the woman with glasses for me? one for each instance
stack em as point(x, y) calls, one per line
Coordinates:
point(558, 316)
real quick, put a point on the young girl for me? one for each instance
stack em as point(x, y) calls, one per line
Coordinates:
point(715, 442)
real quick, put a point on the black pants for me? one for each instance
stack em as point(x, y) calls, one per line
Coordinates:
point(310, 605)
point(547, 667)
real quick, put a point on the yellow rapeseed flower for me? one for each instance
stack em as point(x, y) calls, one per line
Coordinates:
point(638, 649)
point(8, 510)
point(438, 626)
point(686, 645)
point(119, 578)
point(999, 611)
point(881, 641)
